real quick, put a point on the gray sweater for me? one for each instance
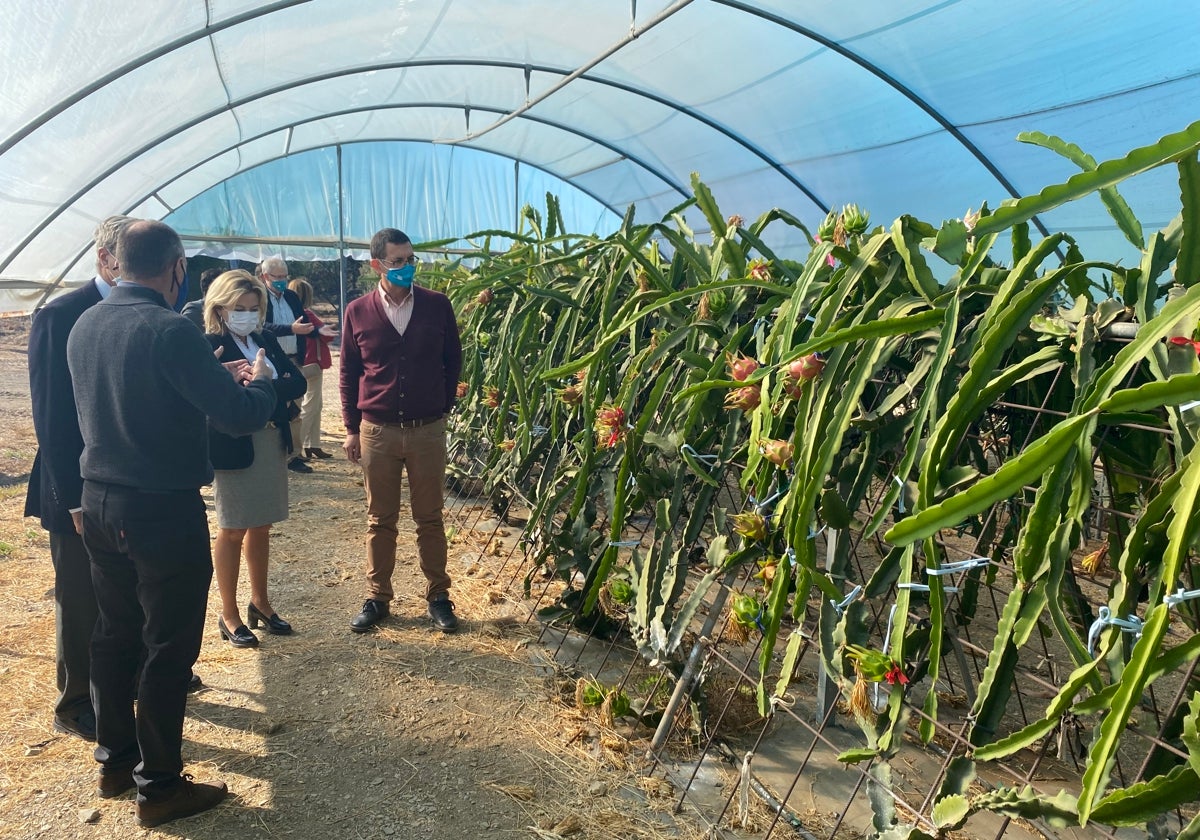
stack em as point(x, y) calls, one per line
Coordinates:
point(145, 380)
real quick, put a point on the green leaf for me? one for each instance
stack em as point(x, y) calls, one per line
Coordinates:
point(1141, 802)
point(856, 755)
point(951, 811)
point(952, 238)
point(1025, 469)
point(1187, 265)
point(1121, 213)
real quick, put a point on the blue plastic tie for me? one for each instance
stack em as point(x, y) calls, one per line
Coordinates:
point(959, 566)
point(711, 460)
point(1129, 624)
point(840, 608)
point(1174, 599)
point(900, 498)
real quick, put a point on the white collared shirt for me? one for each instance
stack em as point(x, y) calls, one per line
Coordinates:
point(249, 348)
point(281, 314)
point(398, 313)
point(102, 287)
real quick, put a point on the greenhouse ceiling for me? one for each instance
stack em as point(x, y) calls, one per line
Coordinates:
point(295, 126)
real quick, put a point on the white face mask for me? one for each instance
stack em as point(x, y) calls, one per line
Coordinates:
point(241, 323)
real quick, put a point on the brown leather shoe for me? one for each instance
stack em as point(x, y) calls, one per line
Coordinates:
point(185, 800)
point(114, 784)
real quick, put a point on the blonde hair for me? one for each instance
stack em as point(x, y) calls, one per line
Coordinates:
point(303, 290)
point(224, 294)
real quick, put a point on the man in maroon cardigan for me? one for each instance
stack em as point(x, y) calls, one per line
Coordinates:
point(401, 358)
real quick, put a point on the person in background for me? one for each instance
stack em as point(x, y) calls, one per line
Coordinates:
point(401, 357)
point(285, 320)
point(316, 360)
point(250, 486)
point(193, 310)
point(55, 486)
point(144, 380)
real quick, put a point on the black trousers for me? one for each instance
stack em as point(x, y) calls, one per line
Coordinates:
point(75, 616)
point(151, 570)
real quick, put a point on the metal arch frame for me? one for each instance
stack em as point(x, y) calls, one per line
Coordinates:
point(49, 288)
point(295, 83)
point(892, 82)
point(141, 61)
point(341, 143)
point(666, 179)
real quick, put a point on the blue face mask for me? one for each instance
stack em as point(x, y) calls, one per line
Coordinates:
point(279, 285)
point(402, 277)
point(182, 299)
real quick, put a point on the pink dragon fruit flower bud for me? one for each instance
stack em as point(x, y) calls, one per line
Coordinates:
point(778, 452)
point(751, 526)
point(806, 367)
point(746, 398)
point(740, 366)
point(759, 269)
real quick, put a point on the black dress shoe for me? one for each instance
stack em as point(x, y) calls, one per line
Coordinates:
point(441, 610)
point(297, 465)
point(82, 725)
point(195, 683)
point(372, 613)
point(183, 801)
point(114, 783)
point(317, 453)
point(241, 637)
point(276, 626)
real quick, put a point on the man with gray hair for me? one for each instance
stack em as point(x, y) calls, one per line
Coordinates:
point(55, 485)
point(286, 321)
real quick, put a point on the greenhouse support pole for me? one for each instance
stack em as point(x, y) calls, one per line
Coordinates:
point(341, 243)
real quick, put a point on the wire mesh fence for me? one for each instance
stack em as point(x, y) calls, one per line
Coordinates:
point(786, 774)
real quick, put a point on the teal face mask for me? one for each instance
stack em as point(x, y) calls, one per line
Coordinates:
point(403, 276)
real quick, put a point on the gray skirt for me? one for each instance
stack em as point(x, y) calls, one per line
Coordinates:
point(257, 495)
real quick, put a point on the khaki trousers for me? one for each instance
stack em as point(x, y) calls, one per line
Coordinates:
point(389, 451)
point(310, 410)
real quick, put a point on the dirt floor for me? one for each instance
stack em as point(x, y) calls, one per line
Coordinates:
point(403, 732)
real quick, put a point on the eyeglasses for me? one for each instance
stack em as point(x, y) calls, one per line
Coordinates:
point(398, 263)
point(278, 277)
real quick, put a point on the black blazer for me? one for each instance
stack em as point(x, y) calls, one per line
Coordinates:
point(55, 485)
point(292, 300)
point(236, 453)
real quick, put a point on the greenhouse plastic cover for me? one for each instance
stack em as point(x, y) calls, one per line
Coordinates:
point(292, 127)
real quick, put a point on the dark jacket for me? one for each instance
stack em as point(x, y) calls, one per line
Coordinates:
point(147, 386)
point(229, 452)
point(54, 482)
point(292, 300)
point(193, 310)
point(386, 377)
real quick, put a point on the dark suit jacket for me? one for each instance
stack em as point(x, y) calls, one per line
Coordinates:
point(54, 482)
point(236, 453)
point(292, 300)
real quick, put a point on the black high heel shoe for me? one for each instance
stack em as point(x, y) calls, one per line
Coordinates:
point(276, 626)
point(240, 637)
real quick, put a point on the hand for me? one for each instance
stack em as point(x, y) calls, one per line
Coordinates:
point(352, 449)
point(327, 331)
point(261, 369)
point(77, 518)
point(239, 370)
point(301, 327)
